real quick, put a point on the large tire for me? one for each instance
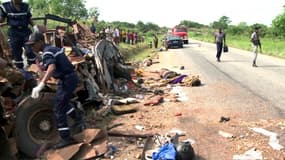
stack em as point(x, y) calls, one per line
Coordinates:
point(35, 124)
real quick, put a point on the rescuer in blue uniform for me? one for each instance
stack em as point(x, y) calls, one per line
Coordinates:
point(18, 17)
point(56, 64)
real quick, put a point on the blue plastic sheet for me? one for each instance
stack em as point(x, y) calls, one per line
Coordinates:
point(166, 152)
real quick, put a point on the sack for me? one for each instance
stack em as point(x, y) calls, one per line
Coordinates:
point(226, 49)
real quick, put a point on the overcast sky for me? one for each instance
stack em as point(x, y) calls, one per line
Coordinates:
point(171, 12)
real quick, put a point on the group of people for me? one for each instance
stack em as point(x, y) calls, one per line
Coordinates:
point(220, 40)
point(118, 35)
point(52, 60)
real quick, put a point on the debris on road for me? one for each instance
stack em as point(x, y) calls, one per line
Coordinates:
point(226, 134)
point(273, 137)
point(252, 154)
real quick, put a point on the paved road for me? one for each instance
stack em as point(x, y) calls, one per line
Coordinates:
point(257, 90)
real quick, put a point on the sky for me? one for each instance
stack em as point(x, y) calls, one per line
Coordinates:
point(171, 12)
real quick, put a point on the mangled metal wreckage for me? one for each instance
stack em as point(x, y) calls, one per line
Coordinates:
point(29, 122)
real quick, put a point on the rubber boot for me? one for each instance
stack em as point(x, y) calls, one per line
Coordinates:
point(79, 122)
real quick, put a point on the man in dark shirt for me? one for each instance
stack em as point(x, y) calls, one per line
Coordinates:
point(18, 16)
point(92, 28)
point(56, 64)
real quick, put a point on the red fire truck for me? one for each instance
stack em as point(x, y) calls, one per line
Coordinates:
point(182, 32)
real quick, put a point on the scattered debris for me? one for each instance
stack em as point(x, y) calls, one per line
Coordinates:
point(179, 91)
point(226, 134)
point(123, 109)
point(139, 127)
point(154, 100)
point(224, 119)
point(252, 154)
point(273, 137)
point(178, 131)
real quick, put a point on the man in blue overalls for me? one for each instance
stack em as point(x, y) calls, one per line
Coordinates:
point(18, 17)
point(56, 64)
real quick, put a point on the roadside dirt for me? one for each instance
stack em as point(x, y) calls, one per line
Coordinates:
point(200, 118)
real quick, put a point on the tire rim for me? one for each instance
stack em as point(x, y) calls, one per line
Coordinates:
point(41, 127)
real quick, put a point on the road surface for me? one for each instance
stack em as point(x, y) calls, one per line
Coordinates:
point(251, 97)
point(258, 92)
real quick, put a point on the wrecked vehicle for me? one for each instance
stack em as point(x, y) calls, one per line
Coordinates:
point(27, 124)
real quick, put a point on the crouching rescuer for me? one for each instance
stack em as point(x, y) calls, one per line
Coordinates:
point(54, 61)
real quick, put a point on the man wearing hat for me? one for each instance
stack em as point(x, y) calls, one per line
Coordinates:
point(56, 64)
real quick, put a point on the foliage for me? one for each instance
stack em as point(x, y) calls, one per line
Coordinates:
point(223, 23)
point(190, 24)
point(141, 26)
point(122, 24)
point(93, 14)
point(73, 8)
point(240, 29)
point(278, 25)
point(152, 27)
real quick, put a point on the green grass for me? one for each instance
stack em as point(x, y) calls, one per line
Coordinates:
point(273, 47)
point(134, 53)
point(140, 51)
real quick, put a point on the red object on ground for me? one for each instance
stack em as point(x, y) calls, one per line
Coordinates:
point(178, 114)
point(154, 100)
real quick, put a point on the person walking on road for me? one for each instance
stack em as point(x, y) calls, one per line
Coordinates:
point(56, 64)
point(256, 45)
point(220, 40)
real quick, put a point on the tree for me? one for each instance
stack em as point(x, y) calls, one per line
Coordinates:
point(152, 27)
point(93, 14)
point(278, 25)
point(39, 8)
point(223, 22)
point(262, 29)
point(141, 27)
point(191, 24)
point(65, 8)
point(241, 29)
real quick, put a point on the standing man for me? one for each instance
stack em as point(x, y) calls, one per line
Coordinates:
point(18, 16)
point(220, 39)
point(93, 28)
point(155, 41)
point(256, 44)
point(56, 64)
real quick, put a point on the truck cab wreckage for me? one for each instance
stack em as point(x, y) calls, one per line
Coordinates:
point(28, 124)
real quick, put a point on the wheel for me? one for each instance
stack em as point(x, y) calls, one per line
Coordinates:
point(35, 124)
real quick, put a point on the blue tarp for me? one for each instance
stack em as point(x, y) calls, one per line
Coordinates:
point(166, 152)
